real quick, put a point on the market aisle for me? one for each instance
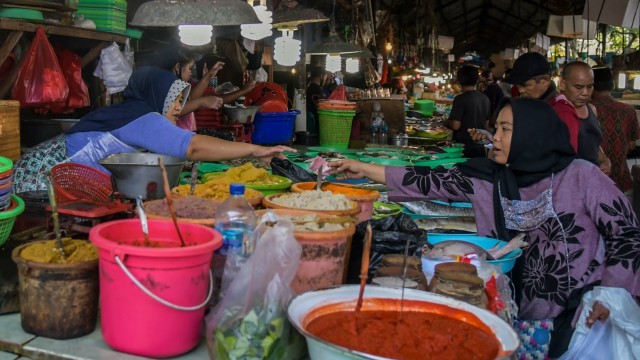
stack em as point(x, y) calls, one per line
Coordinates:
point(12, 338)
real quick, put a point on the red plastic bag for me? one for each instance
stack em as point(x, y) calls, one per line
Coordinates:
point(40, 80)
point(78, 92)
point(340, 93)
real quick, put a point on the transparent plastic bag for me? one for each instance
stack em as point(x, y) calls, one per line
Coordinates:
point(250, 322)
point(113, 68)
point(596, 345)
point(40, 81)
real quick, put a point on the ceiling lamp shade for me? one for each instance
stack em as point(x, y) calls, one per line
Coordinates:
point(572, 27)
point(333, 45)
point(261, 30)
point(195, 35)
point(165, 13)
point(287, 49)
point(333, 63)
point(292, 17)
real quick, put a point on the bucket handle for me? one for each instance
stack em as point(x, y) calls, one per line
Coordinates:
point(161, 300)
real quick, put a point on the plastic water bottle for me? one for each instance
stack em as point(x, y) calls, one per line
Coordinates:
point(235, 220)
point(384, 129)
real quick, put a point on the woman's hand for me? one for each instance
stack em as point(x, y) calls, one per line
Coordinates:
point(210, 102)
point(598, 312)
point(350, 169)
point(267, 153)
point(213, 71)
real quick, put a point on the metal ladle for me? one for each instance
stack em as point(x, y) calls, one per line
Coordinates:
point(54, 214)
point(143, 220)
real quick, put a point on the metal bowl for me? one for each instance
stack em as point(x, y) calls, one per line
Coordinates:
point(242, 115)
point(138, 174)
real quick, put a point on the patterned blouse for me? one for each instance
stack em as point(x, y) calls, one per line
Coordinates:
point(602, 233)
point(620, 126)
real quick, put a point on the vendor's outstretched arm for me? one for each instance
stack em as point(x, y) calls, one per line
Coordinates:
point(353, 169)
point(208, 148)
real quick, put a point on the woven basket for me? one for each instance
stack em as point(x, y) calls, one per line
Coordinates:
point(10, 129)
point(335, 127)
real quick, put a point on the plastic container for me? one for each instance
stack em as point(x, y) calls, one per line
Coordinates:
point(425, 107)
point(335, 127)
point(323, 254)
point(306, 307)
point(8, 217)
point(152, 299)
point(274, 128)
point(505, 263)
point(76, 181)
point(58, 301)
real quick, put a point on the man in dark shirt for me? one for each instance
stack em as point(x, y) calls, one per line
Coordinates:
point(470, 110)
point(314, 95)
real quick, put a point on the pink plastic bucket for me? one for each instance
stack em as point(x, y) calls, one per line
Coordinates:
point(153, 299)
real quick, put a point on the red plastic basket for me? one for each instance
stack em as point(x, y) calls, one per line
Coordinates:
point(76, 181)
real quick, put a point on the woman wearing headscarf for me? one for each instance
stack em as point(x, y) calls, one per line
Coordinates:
point(146, 119)
point(581, 230)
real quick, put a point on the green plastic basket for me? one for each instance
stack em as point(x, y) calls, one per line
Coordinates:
point(335, 127)
point(8, 218)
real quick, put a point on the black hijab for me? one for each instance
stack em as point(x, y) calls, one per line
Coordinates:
point(539, 147)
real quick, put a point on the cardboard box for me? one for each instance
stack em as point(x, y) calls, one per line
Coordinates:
point(10, 129)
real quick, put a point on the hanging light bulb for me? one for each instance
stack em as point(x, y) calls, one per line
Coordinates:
point(622, 80)
point(333, 63)
point(261, 30)
point(353, 65)
point(286, 48)
point(388, 47)
point(195, 35)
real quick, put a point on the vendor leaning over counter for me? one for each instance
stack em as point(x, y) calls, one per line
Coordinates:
point(581, 230)
point(145, 119)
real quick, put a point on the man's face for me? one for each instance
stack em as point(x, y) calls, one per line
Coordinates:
point(578, 86)
point(534, 89)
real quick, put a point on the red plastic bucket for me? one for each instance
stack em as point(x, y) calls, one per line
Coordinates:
point(153, 299)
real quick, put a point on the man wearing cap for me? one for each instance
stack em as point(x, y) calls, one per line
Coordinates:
point(531, 75)
point(619, 125)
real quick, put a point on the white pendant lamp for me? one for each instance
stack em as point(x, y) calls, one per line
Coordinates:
point(333, 63)
point(622, 80)
point(286, 48)
point(261, 30)
point(352, 65)
point(195, 35)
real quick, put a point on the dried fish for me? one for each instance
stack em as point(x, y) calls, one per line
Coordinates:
point(448, 225)
point(434, 209)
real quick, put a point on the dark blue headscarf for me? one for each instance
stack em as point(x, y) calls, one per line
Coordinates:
point(150, 89)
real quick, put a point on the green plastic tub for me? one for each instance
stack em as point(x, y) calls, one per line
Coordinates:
point(385, 162)
point(447, 163)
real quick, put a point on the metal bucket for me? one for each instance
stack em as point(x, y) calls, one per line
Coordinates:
point(138, 174)
point(242, 115)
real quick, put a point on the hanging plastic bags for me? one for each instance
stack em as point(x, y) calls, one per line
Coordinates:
point(251, 322)
point(618, 338)
point(40, 81)
point(113, 68)
point(78, 92)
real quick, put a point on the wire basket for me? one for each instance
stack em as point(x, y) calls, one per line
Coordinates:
point(76, 181)
point(8, 217)
point(335, 127)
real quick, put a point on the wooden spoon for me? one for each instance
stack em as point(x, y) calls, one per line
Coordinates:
point(167, 193)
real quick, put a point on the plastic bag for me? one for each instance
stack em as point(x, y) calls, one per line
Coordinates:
point(624, 332)
point(40, 80)
point(78, 92)
point(250, 322)
point(128, 54)
point(595, 345)
point(340, 93)
point(286, 168)
point(390, 236)
point(113, 68)
point(98, 148)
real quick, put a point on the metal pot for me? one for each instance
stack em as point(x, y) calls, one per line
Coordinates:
point(400, 140)
point(138, 174)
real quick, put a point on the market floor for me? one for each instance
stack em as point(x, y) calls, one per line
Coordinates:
point(15, 342)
